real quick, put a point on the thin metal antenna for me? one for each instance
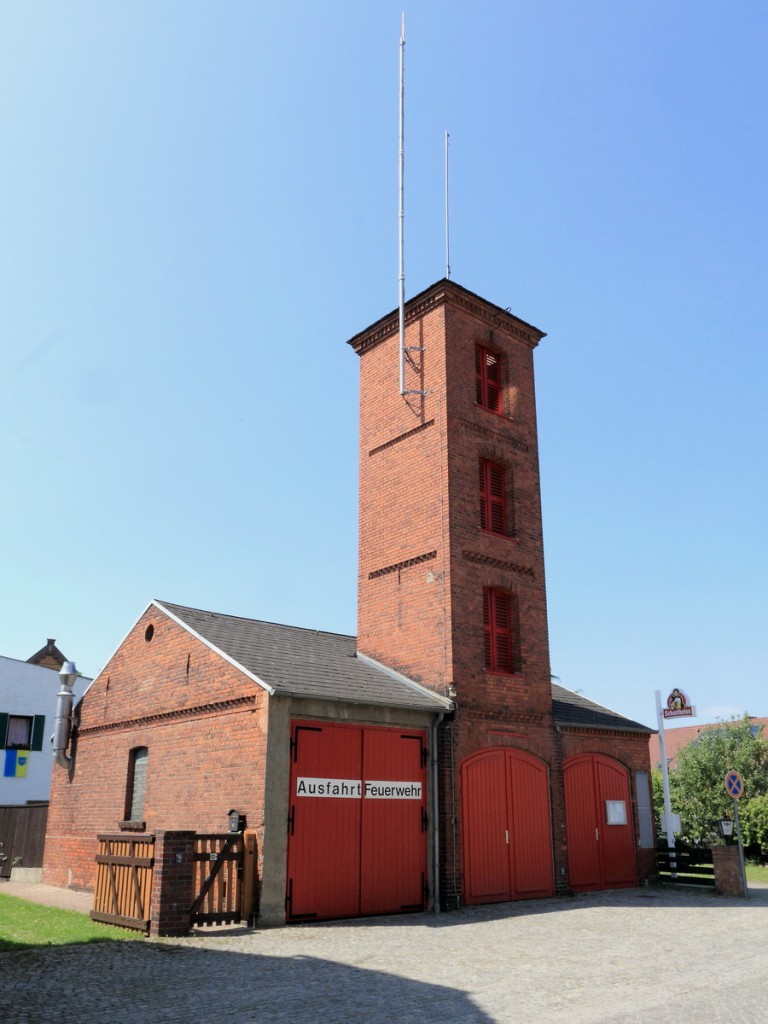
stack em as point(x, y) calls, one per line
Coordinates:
point(401, 211)
point(447, 220)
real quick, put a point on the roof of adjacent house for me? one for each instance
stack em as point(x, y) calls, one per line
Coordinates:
point(572, 709)
point(48, 656)
point(296, 662)
point(676, 738)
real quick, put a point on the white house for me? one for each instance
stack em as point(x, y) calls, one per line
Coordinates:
point(27, 712)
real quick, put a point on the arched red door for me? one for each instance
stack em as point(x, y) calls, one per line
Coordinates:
point(506, 832)
point(599, 825)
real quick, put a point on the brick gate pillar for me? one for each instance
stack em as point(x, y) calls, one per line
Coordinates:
point(172, 883)
point(727, 865)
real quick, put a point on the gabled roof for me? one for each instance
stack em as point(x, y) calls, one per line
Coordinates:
point(290, 661)
point(48, 653)
point(571, 709)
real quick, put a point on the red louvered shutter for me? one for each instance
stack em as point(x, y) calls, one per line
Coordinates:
point(497, 520)
point(479, 375)
point(487, 629)
point(493, 378)
point(483, 494)
point(493, 503)
point(487, 379)
point(498, 623)
point(502, 632)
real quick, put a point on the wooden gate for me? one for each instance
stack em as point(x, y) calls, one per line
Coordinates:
point(218, 882)
point(22, 836)
point(599, 824)
point(506, 831)
point(124, 880)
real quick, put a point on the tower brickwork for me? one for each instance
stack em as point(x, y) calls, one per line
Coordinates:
point(451, 566)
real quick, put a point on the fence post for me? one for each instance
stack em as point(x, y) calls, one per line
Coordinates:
point(173, 883)
point(250, 890)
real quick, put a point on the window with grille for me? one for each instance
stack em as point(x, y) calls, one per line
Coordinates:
point(137, 784)
point(502, 647)
point(493, 497)
point(487, 378)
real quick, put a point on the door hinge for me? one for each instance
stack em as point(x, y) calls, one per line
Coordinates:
point(291, 819)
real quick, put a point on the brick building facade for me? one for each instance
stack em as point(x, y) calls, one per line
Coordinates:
point(497, 784)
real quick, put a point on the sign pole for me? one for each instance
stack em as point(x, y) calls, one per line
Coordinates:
point(667, 823)
point(742, 865)
point(734, 787)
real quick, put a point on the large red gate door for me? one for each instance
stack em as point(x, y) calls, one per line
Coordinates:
point(599, 824)
point(506, 830)
point(357, 823)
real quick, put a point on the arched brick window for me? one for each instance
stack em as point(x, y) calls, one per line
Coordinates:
point(137, 784)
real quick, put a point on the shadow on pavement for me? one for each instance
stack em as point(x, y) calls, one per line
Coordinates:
point(160, 982)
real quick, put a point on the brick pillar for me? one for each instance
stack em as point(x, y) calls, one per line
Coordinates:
point(727, 867)
point(172, 883)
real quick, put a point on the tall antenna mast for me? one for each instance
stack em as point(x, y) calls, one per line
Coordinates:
point(447, 232)
point(401, 261)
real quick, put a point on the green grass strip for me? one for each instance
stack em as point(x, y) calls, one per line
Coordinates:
point(757, 872)
point(25, 925)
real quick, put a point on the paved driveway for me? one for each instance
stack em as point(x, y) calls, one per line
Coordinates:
point(640, 955)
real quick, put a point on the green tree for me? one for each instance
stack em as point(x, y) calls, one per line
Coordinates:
point(697, 784)
point(753, 818)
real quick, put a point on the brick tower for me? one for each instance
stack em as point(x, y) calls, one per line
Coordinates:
point(451, 568)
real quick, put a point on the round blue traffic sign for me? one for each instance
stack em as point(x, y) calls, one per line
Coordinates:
point(734, 784)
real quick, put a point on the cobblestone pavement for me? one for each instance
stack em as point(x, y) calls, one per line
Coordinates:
point(621, 957)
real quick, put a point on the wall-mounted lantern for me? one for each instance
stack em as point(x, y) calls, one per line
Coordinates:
point(726, 829)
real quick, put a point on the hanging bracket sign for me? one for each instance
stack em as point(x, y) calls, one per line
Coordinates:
point(678, 706)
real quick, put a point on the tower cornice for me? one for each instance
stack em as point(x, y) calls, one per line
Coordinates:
point(447, 292)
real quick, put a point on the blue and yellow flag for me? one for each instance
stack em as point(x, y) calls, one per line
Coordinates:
point(16, 764)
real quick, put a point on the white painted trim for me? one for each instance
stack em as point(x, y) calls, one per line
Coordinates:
point(445, 703)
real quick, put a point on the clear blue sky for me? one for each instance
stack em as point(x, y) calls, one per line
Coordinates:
point(198, 207)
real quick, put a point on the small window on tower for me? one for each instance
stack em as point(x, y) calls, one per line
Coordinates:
point(493, 497)
point(487, 378)
point(502, 645)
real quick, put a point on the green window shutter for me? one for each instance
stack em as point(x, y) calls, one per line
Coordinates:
point(38, 727)
point(3, 728)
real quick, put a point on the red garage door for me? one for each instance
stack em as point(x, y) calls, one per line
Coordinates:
point(598, 816)
point(357, 832)
point(506, 830)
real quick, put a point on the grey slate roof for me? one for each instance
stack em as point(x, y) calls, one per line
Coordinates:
point(572, 709)
point(290, 661)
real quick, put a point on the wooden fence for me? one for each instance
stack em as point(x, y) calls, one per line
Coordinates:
point(220, 888)
point(124, 880)
point(685, 865)
point(22, 835)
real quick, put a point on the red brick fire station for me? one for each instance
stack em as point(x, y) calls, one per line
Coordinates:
point(428, 762)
